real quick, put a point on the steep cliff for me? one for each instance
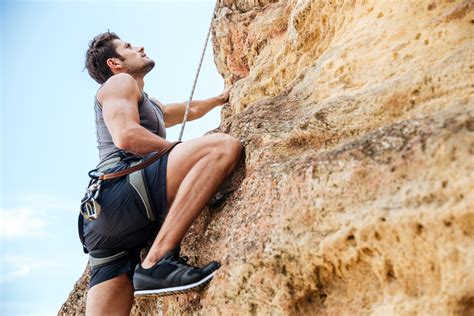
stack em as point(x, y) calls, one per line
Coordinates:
point(355, 196)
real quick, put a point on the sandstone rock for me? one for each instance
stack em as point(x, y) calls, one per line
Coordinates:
point(355, 194)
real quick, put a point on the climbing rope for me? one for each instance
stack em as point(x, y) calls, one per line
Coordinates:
point(186, 113)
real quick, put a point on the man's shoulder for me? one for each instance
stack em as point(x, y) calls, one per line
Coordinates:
point(155, 100)
point(119, 81)
point(158, 103)
point(118, 85)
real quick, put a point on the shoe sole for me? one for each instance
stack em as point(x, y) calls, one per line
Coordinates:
point(175, 290)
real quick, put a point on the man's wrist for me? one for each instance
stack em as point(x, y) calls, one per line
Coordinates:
point(219, 100)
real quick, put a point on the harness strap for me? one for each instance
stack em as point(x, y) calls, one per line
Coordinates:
point(139, 166)
point(108, 163)
point(101, 257)
point(138, 182)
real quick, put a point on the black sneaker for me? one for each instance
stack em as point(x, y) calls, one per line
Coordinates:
point(171, 275)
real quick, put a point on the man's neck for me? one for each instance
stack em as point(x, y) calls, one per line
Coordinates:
point(140, 82)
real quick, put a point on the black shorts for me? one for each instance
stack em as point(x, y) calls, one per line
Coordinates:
point(123, 223)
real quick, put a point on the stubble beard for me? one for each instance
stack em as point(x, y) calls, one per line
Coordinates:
point(148, 66)
point(143, 69)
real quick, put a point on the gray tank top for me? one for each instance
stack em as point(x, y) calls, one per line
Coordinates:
point(151, 118)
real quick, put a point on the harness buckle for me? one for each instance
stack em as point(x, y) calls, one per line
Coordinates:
point(90, 207)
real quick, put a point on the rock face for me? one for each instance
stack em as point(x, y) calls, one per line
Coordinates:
point(356, 193)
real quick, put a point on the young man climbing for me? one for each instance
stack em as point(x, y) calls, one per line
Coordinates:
point(169, 195)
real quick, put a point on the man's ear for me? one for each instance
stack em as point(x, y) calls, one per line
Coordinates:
point(114, 64)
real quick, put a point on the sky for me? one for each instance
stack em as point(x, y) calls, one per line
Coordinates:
point(47, 125)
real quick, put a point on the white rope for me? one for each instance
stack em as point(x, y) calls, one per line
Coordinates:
point(186, 113)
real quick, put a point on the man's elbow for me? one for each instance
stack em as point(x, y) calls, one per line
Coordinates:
point(124, 139)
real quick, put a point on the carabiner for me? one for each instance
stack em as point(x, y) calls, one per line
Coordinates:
point(94, 174)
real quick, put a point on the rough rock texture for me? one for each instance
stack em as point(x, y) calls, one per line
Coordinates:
point(355, 196)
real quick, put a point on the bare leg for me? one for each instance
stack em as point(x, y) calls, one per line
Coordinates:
point(194, 173)
point(112, 297)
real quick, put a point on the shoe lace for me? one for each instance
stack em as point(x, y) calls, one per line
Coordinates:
point(183, 261)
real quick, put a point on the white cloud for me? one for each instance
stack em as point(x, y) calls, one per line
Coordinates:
point(20, 270)
point(14, 267)
point(27, 215)
point(45, 202)
point(20, 222)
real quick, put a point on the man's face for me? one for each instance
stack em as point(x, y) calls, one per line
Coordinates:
point(136, 62)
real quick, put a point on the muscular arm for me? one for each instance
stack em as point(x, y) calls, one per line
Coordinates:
point(119, 98)
point(174, 112)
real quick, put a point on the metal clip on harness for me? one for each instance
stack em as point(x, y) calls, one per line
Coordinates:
point(90, 207)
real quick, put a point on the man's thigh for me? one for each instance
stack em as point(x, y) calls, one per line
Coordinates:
point(184, 156)
point(112, 297)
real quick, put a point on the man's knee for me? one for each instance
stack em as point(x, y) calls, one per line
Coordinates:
point(229, 146)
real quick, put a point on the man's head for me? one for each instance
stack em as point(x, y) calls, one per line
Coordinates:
point(109, 55)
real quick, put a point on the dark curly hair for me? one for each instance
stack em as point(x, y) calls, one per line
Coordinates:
point(100, 49)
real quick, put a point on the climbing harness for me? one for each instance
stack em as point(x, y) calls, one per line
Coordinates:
point(90, 207)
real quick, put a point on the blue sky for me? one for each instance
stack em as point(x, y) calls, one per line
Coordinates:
point(47, 125)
